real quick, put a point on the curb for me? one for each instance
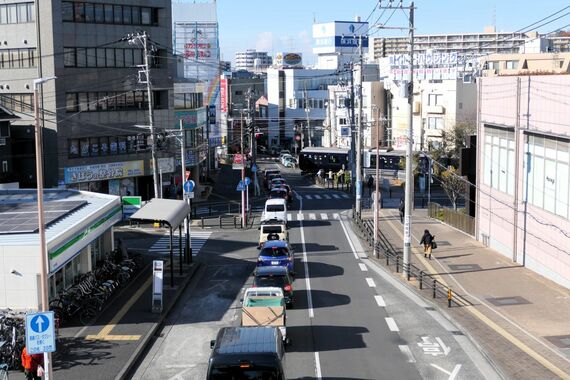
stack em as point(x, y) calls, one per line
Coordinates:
point(129, 365)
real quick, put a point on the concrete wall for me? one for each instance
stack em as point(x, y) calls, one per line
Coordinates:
point(19, 290)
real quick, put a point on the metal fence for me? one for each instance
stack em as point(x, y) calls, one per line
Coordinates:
point(393, 258)
point(457, 219)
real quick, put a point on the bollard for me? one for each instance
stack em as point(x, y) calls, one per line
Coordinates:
point(421, 279)
point(202, 222)
point(434, 288)
point(449, 297)
point(397, 264)
point(235, 222)
point(229, 208)
point(408, 270)
point(220, 220)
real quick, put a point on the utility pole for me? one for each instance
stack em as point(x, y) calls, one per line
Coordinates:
point(377, 195)
point(358, 181)
point(307, 110)
point(243, 222)
point(185, 197)
point(352, 124)
point(41, 225)
point(409, 200)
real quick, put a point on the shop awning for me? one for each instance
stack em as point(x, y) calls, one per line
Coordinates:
point(169, 211)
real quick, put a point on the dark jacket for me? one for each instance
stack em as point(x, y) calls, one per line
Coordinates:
point(427, 238)
point(402, 207)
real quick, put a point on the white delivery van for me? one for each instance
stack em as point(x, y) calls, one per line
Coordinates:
point(275, 209)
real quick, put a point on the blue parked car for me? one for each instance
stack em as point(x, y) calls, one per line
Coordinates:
point(277, 253)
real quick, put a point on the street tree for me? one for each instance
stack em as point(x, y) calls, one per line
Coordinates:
point(452, 141)
point(453, 185)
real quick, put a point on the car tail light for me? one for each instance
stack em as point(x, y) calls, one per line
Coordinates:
point(287, 288)
point(259, 259)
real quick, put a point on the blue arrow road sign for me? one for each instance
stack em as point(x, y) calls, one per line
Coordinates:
point(40, 332)
point(240, 186)
point(247, 181)
point(189, 186)
point(254, 168)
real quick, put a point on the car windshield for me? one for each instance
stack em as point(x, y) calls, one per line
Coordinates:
point(274, 252)
point(238, 373)
point(277, 194)
point(274, 208)
point(277, 281)
point(272, 230)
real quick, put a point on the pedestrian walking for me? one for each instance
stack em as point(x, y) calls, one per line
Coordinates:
point(402, 209)
point(370, 184)
point(33, 365)
point(341, 176)
point(331, 177)
point(427, 241)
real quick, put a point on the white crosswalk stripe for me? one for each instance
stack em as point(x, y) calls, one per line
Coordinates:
point(300, 216)
point(308, 197)
point(312, 217)
point(289, 217)
point(336, 196)
point(327, 196)
point(324, 216)
point(162, 245)
point(317, 196)
point(336, 216)
point(345, 196)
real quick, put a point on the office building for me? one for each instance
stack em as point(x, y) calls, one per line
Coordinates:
point(94, 114)
point(252, 60)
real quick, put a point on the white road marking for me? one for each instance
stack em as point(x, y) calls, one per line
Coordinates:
point(406, 351)
point(446, 349)
point(317, 196)
point(289, 217)
point(337, 216)
point(318, 374)
point(312, 216)
point(380, 301)
point(451, 374)
point(336, 196)
point(345, 196)
point(370, 282)
point(324, 216)
point(363, 267)
point(392, 324)
point(300, 217)
point(327, 196)
point(308, 196)
point(441, 369)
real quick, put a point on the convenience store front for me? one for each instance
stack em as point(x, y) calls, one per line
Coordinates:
point(76, 242)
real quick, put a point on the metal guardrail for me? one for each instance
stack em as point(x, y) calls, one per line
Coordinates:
point(457, 219)
point(394, 257)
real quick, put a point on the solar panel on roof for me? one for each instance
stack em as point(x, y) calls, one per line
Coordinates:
point(23, 217)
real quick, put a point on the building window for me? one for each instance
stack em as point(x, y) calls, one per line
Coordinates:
point(17, 102)
point(96, 13)
point(499, 159)
point(18, 13)
point(435, 99)
point(17, 58)
point(512, 65)
point(5, 166)
point(99, 57)
point(435, 123)
point(106, 101)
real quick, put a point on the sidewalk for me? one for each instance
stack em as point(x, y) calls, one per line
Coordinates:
point(111, 345)
point(521, 319)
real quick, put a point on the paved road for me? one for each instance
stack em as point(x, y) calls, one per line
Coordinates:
point(356, 321)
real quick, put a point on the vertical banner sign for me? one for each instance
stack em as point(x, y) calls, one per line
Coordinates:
point(224, 95)
point(157, 280)
point(407, 234)
point(212, 115)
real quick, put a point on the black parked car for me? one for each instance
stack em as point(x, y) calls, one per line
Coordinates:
point(275, 276)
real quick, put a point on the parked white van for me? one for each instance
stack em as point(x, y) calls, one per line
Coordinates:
point(275, 209)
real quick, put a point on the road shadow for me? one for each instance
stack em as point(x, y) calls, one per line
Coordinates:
point(79, 352)
point(321, 299)
point(327, 338)
point(314, 247)
point(317, 269)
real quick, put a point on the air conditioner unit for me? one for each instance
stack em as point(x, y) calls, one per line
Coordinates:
point(2, 141)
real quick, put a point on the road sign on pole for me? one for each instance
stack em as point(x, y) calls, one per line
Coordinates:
point(247, 181)
point(40, 332)
point(254, 168)
point(189, 186)
point(240, 186)
point(238, 162)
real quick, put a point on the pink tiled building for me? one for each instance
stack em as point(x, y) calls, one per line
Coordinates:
point(523, 180)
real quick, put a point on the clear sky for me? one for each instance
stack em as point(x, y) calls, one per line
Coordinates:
point(273, 25)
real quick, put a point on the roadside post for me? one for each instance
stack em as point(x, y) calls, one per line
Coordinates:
point(157, 285)
point(40, 336)
point(188, 189)
point(247, 182)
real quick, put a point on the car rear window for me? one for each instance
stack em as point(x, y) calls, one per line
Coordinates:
point(277, 281)
point(274, 208)
point(237, 373)
point(274, 251)
point(271, 230)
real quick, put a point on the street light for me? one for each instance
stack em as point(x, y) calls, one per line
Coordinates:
point(41, 226)
point(376, 197)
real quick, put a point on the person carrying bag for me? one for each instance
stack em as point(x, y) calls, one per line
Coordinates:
point(428, 241)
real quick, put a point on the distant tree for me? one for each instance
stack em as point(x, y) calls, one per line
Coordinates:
point(452, 141)
point(453, 185)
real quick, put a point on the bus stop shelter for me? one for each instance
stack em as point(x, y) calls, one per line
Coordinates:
point(172, 213)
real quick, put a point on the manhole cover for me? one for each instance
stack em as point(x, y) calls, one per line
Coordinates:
point(464, 266)
point(442, 243)
point(562, 341)
point(507, 301)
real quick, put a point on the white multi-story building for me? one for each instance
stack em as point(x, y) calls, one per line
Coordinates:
point(252, 60)
point(296, 105)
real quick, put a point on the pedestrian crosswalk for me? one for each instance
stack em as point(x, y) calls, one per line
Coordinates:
point(292, 216)
point(162, 245)
point(329, 196)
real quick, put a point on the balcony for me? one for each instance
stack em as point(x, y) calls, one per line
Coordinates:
point(435, 109)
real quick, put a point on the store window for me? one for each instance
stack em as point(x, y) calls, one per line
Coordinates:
point(498, 159)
